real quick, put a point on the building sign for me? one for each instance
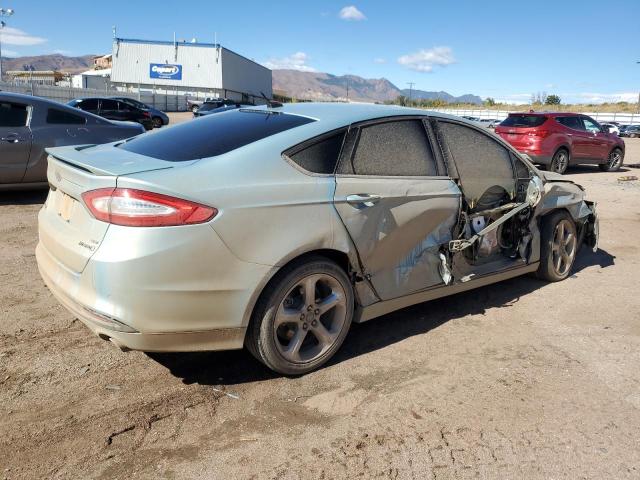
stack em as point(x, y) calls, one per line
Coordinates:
point(166, 72)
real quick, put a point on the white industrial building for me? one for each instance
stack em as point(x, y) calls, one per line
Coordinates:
point(187, 68)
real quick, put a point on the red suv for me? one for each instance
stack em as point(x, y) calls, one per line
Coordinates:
point(558, 140)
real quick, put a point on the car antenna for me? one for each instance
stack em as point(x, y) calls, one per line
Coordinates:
point(271, 103)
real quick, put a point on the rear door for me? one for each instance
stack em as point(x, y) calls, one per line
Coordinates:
point(15, 141)
point(577, 135)
point(109, 109)
point(396, 203)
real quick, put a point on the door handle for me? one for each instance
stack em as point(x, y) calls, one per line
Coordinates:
point(11, 138)
point(362, 200)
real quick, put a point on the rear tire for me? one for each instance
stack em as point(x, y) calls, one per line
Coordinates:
point(157, 122)
point(302, 316)
point(560, 161)
point(558, 246)
point(614, 162)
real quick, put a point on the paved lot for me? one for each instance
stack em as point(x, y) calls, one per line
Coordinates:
point(517, 380)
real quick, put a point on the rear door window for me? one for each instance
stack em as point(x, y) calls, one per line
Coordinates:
point(213, 135)
point(395, 148)
point(13, 114)
point(318, 156)
point(484, 165)
point(523, 120)
point(90, 104)
point(570, 122)
point(57, 116)
point(108, 104)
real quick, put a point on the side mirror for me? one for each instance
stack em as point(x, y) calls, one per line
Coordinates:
point(534, 191)
point(606, 129)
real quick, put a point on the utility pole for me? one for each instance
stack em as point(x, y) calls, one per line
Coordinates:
point(411, 84)
point(4, 12)
point(638, 99)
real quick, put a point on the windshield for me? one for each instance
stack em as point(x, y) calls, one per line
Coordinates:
point(212, 135)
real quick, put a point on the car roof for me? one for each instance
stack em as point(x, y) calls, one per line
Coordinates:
point(335, 115)
point(549, 114)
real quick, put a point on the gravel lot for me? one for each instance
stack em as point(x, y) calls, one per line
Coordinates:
point(518, 380)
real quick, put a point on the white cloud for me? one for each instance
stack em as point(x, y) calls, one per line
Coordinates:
point(15, 36)
point(424, 60)
point(9, 53)
point(379, 60)
point(351, 13)
point(295, 61)
point(63, 52)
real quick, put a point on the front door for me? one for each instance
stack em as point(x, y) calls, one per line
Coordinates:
point(15, 141)
point(598, 142)
point(398, 208)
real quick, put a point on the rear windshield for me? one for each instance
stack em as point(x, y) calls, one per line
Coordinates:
point(523, 121)
point(212, 135)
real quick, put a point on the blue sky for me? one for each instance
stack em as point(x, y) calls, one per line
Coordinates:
point(583, 51)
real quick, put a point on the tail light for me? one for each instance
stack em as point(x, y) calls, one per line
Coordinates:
point(540, 133)
point(138, 208)
point(146, 114)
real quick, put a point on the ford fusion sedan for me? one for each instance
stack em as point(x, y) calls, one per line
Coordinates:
point(30, 124)
point(276, 228)
point(557, 140)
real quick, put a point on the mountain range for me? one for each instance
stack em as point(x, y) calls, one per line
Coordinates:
point(324, 86)
point(292, 83)
point(54, 61)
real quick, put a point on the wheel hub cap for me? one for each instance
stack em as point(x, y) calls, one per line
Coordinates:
point(310, 318)
point(563, 247)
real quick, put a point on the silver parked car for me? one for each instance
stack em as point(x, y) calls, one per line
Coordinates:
point(29, 124)
point(277, 227)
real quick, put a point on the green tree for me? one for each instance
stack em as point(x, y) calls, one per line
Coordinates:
point(553, 100)
point(490, 102)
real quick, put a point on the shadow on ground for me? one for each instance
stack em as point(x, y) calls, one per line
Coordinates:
point(236, 367)
point(23, 197)
point(579, 169)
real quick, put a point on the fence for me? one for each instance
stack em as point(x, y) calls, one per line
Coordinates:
point(623, 118)
point(167, 103)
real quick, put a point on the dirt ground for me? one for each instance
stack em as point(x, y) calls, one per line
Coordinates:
point(517, 380)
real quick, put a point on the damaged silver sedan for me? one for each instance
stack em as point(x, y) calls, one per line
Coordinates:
point(277, 227)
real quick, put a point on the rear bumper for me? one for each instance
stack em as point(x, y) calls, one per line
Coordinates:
point(169, 289)
point(111, 330)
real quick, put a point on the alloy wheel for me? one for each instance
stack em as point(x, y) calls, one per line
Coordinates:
point(560, 162)
point(563, 247)
point(310, 318)
point(615, 158)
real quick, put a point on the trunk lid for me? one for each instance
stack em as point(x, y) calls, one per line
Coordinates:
point(66, 228)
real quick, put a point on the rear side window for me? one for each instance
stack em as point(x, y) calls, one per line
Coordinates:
point(397, 148)
point(570, 122)
point(523, 121)
point(321, 156)
point(13, 115)
point(108, 105)
point(55, 116)
point(212, 135)
point(484, 165)
point(89, 104)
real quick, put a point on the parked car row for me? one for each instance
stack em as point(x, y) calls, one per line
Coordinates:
point(216, 106)
point(30, 124)
point(124, 109)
